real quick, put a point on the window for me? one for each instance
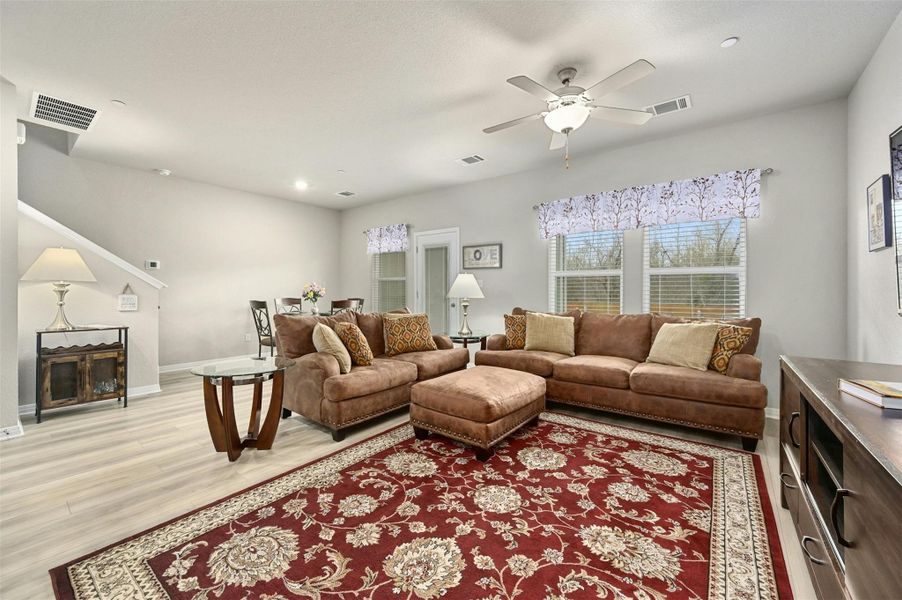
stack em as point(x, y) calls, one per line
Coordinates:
point(584, 272)
point(389, 281)
point(696, 269)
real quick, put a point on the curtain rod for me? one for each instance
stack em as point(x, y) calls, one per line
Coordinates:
point(766, 171)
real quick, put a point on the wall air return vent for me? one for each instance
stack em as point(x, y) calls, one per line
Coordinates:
point(470, 160)
point(61, 113)
point(344, 194)
point(675, 105)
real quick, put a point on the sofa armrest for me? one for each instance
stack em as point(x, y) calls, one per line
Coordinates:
point(496, 341)
point(303, 391)
point(443, 342)
point(744, 366)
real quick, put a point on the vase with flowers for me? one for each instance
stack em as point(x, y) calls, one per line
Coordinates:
point(312, 293)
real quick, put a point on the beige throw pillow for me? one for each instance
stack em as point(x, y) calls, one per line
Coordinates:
point(551, 333)
point(326, 340)
point(684, 345)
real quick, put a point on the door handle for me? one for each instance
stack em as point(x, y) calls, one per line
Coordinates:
point(805, 540)
point(834, 516)
point(785, 484)
point(454, 305)
point(792, 419)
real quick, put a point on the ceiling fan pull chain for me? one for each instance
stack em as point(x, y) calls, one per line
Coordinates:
point(567, 151)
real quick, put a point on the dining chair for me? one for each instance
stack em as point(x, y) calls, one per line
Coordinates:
point(359, 304)
point(288, 306)
point(260, 313)
point(340, 306)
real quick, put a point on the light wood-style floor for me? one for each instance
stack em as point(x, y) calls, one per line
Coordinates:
point(90, 476)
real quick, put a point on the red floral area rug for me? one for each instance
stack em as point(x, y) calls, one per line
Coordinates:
point(569, 508)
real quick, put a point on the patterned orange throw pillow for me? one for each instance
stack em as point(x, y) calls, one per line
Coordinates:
point(515, 331)
point(407, 333)
point(730, 340)
point(354, 340)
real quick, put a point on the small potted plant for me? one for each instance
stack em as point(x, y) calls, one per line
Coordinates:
point(312, 293)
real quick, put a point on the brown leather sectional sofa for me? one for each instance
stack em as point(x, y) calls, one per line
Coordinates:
point(609, 373)
point(315, 389)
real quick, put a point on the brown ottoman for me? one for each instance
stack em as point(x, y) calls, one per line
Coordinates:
point(480, 406)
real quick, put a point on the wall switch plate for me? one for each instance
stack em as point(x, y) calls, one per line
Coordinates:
point(248, 337)
point(151, 264)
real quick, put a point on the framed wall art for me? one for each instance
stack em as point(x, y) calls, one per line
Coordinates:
point(483, 256)
point(895, 159)
point(880, 216)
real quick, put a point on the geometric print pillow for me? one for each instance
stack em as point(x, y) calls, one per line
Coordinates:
point(515, 332)
point(356, 343)
point(407, 333)
point(730, 340)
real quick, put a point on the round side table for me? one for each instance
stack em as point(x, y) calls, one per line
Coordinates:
point(222, 424)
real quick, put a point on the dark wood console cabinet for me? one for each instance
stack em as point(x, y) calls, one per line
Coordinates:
point(841, 478)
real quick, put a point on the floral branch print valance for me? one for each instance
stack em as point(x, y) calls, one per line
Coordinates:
point(390, 238)
point(722, 196)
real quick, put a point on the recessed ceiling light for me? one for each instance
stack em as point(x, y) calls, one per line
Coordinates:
point(729, 42)
point(341, 171)
point(118, 102)
point(301, 185)
point(163, 172)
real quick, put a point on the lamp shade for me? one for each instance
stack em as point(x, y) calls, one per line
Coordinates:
point(465, 286)
point(59, 264)
point(569, 117)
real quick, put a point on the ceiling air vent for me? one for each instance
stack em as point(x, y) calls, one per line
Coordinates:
point(344, 194)
point(470, 160)
point(62, 114)
point(675, 105)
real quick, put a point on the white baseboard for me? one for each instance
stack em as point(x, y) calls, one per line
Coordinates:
point(13, 431)
point(771, 412)
point(135, 392)
point(190, 365)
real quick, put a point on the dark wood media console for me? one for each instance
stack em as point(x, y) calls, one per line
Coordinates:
point(841, 474)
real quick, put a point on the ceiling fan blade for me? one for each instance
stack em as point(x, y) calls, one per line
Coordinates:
point(558, 141)
point(622, 78)
point(620, 115)
point(531, 87)
point(501, 126)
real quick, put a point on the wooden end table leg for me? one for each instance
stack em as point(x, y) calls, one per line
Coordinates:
point(253, 427)
point(483, 343)
point(232, 441)
point(271, 423)
point(214, 416)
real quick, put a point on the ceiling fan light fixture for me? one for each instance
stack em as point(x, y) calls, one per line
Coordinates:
point(570, 117)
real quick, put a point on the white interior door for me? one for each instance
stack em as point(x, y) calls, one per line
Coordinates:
point(437, 263)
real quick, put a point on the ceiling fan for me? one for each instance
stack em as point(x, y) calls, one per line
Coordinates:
point(570, 105)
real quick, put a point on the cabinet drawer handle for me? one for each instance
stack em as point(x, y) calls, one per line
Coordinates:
point(805, 540)
point(784, 482)
point(792, 419)
point(834, 514)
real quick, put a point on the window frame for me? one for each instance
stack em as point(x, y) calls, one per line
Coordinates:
point(555, 253)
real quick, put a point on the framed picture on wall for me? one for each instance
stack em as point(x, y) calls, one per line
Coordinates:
point(484, 256)
point(895, 161)
point(880, 216)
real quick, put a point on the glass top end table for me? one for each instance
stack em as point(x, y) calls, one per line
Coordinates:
point(470, 339)
point(221, 419)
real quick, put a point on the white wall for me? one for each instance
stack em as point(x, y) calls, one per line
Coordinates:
point(875, 111)
point(219, 247)
point(8, 257)
point(796, 272)
point(86, 304)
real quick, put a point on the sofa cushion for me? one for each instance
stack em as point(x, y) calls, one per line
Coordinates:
point(371, 326)
point(626, 336)
point(432, 363)
point(514, 332)
point(381, 375)
point(690, 384)
point(326, 340)
point(550, 333)
point(685, 345)
point(294, 333)
point(658, 320)
point(354, 340)
point(575, 313)
point(481, 394)
point(609, 371)
point(532, 361)
point(407, 333)
point(730, 340)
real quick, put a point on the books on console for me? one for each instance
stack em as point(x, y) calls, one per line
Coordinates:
point(885, 394)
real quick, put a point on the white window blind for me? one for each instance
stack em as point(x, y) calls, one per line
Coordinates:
point(389, 281)
point(585, 272)
point(696, 269)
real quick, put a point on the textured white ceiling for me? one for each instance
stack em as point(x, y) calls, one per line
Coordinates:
point(254, 95)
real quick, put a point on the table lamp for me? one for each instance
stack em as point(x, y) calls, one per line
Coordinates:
point(465, 287)
point(61, 266)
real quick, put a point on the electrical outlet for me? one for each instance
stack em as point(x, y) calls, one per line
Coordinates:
point(248, 337)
